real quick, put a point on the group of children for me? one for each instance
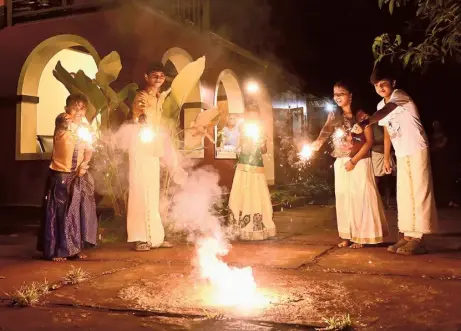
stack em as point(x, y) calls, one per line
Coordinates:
point(70, 220)
point(360, 215)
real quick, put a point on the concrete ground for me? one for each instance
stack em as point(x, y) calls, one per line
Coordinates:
point(302, 274)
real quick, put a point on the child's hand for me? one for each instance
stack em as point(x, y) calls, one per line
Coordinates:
point(81, 172)
point(387, 167)
point(82, 169)
point(331, 117)
point(349, 166)
point(316, 145)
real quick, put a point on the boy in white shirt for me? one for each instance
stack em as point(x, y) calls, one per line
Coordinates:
point(398, 114)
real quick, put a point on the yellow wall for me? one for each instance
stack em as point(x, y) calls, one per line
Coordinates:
point(52, 94)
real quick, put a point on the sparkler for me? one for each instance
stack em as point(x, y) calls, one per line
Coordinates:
point(146, 134)
point(85, 134)
point(306, 152)
point(339, 133)
point(252, 130)
point(329, 107)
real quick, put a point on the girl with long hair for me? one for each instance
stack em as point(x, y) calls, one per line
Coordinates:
point(359, 209)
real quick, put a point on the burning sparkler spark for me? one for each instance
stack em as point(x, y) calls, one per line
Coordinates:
point(306, 152)
point(146, 134)
point(329, 107)
point(232, 287)
point(252, 131)
point(339, 133)
point(85, 134)
point(252, 87)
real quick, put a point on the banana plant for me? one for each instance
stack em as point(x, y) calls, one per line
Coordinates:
point(102, 99)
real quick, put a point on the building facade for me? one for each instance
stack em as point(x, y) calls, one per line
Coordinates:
point(79, 33)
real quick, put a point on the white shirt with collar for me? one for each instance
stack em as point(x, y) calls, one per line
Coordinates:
point(404, 125)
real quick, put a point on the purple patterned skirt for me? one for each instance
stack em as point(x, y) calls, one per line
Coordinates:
point(69, 221)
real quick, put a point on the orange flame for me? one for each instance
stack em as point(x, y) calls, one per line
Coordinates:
point(231, 286)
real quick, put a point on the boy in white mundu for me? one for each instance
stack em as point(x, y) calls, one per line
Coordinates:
point(417, 214)
point(149, 144)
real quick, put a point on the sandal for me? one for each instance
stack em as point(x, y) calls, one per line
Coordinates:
point(393, 248)
point(356, 246)
point(78, 256)
point(413, 247)
point(142, 247)
point(166, 244)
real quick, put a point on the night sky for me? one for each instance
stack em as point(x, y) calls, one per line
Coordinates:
point(323, 41)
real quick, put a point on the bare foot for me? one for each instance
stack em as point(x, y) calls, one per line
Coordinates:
point(58, 259)
point(344, 243)
point(356, 246)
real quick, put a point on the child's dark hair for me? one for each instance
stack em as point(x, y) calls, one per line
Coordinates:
point(155, 67)
point(383, 71)
point(76, 98)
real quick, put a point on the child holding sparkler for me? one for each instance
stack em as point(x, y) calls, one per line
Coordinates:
point(417, 214)
point(250, 200)
point(149, 145)
point(359, 210)
point(70, 219)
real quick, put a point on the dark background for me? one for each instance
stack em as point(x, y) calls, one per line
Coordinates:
point(323, 41)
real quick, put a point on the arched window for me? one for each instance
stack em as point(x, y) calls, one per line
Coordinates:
point(42, 96)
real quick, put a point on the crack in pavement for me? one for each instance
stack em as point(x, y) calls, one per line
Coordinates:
point(205, 315)
point(350, 272)
point(318, 257)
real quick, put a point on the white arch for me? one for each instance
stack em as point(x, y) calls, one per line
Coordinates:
point(29, 79)
point(233, 91)
point(178, 56)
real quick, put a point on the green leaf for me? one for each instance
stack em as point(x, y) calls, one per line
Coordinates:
point(380, 3)
point(377, 47)
point(398, 40)
point(127, 91)
point(391, 6)
point(406, 59)
point(65, 78)
point(378, 59)
point(83, 85)
point(124, 108)
point(170, 109)
point(108, 69)
point(96, 99)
